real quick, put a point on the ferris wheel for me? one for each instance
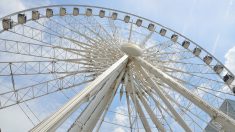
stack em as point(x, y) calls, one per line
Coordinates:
point(87, 68)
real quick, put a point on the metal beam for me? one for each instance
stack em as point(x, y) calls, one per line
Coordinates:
point(40, 89)
point(137, 105)
point(54, 121)
point(150, 111)
point(110, 101)
point(128, 99)
point(145, 87)
point(92, 112)
point(227, 122)
point(142, 44)
point(164, 99)
point(40, 67)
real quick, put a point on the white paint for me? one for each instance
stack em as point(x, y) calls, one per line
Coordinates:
point(131, 49)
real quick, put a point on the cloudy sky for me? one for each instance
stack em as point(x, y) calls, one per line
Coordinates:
point(209, 23)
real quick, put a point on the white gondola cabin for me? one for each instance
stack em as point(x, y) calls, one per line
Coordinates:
point(22, 18)
point(127, 19)
point(35, 15)
point(102, 14)
point(49, 12)
point(197, 51)
point(162, 32)
point(207, 59)
point(218, 68)
point(151, 27)
point(174, 38)
point(62, 11)
point(75, 11)
point(88, 12)
point(7, 24)
point(139, 22)
point(228, 79)
point(114, 16)
point(185, 44)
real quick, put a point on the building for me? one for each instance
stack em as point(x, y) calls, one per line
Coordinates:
point(228, 107)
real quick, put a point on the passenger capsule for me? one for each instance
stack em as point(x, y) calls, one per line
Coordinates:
point(102, 13)
point(88, 12)
point(22, 18)
point(185, 44)
point(228, 79)
point(162, 32)
point(197, 51)
point(207, 59)
point(174, 38)
point(75, 11)
point(151, 27)
point(7, 24)
point(126, 19)
point(49, 12)
point(114, 16)
point(218, 68)
point(35, 15)
point(62, 11)
point(139, 22)
point(233, 89)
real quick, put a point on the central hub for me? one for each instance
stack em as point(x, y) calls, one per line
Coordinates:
point(131, 49)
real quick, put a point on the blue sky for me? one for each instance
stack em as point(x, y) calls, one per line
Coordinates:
point(209, 23)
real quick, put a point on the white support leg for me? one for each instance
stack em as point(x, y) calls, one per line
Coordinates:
point(81, 123)
point(227, 122)
point(89, 124)
point(54, 121)
point(165, 100)
point(92, 122)
point(110, 101)
point(91, 114)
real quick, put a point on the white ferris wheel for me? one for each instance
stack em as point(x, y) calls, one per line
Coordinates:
point(86, 68)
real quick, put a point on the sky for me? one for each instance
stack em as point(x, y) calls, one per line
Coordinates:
point(209, 23)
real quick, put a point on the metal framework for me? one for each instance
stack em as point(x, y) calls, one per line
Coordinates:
point(108, 69)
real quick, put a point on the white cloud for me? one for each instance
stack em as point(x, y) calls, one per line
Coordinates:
point(18, 5)
point(230, 59)
point(119, 130)
point(121, 119)
point(13, 120)
point(12, 7)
